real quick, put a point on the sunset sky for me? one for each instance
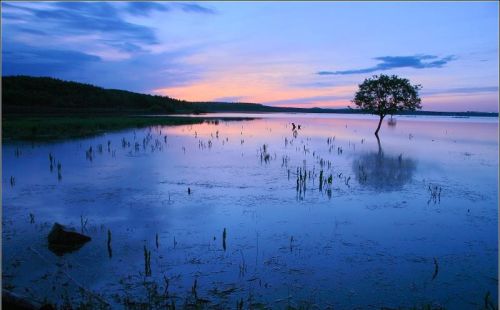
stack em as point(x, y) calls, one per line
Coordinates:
point(301, 54)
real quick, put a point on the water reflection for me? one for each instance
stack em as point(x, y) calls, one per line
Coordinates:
point(382, 172)
point(391, 122)
point(202, 211)
point(61, 250)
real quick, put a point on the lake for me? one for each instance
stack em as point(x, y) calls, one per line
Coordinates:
point(257, 213)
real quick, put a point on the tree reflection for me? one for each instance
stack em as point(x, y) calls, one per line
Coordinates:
point(382, 172)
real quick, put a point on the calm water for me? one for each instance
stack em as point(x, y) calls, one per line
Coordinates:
point(426, 195)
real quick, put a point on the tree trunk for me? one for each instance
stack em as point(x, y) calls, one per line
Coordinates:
point(379, 124)
point(380, 152)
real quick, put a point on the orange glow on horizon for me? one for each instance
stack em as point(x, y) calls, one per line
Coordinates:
point(271, 86)
point(265, 89)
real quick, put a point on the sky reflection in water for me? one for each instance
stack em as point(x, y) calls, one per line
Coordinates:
point(371, 242)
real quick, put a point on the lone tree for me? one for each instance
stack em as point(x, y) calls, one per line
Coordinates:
point(387, 95)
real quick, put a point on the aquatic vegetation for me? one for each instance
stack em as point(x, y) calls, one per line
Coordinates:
point(83, 223)
point(88, 154)
point(194, 288)
point(147, 262)
point(436, 269)
point(242, 266)
point(59, 175)
point(264, 154)
point(330, 179)
point(321, 180)
point(435, 193)
point(224, 235)
point(110, 251)
point(488, 303)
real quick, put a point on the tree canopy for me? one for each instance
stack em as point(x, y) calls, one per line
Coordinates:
point(387, 95)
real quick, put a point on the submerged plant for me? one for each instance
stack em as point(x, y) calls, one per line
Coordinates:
point(330, 179)
point(224, 234)
point(147, 262)
point(436, 269)
point(435, 193)
point(110, 251)
point(194, 288)
point(83, 223)
point(321, 180)
point(243, 265)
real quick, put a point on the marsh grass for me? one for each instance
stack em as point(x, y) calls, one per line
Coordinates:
point(147, 262)
point(436, 269)
point(224, 235)
point(110, 251)
point(64, 127)
point(83, 224)
point(435, 193)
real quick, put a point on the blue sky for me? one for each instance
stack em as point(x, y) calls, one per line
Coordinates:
point(301, 54)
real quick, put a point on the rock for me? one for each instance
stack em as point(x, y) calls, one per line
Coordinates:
point(14, 301)
point(64, 240)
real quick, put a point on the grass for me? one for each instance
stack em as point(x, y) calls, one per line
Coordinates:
point(60, 127)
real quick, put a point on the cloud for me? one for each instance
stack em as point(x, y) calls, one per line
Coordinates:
point(142, 73)
point(79, 18)
point(19, 59)
point(106, 21)
point(308, 100)
point(463, 90)
point(96, 43)
point(229, 99)
point(194, 8)
point(145, 8)
point(392, 62)
point(315, 84)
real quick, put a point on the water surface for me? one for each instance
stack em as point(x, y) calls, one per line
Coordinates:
point(425, 195)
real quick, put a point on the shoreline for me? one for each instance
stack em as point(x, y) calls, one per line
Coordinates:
point(49, 128)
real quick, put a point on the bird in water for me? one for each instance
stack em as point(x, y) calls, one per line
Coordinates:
point(293, 126)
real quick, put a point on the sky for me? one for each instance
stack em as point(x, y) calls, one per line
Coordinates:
point(297, 54)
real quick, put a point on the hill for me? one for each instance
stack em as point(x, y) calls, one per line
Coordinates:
point(24, 95)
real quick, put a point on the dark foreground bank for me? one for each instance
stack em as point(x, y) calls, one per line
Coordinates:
point(60, 127)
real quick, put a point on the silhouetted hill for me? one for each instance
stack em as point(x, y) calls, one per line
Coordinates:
point(35, 96)
point(44, 95)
